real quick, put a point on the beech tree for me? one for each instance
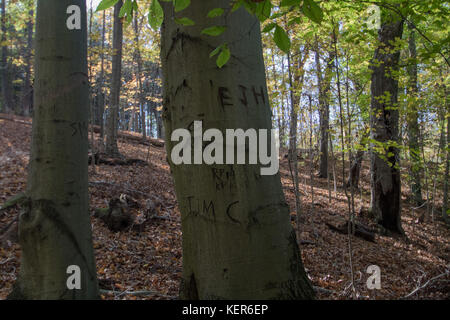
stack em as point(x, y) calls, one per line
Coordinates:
point(54, 227)
point(238, 242)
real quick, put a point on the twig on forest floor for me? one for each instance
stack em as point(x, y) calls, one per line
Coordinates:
point(416, 208)
point(426, 284)
point(137, 293)
point(323, 290)
point(5, 229)
point(5, 261)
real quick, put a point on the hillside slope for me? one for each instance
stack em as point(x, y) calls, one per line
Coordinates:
point(148, 262)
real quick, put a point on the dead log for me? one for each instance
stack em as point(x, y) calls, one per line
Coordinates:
point(117, 216)
point(17, 119)
point(121, 162)
point(104, 159)
point(115, 161)
point(121, 134)
point(136, 137)
point(360, 231)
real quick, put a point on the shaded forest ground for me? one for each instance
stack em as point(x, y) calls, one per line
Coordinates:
point(149, 262)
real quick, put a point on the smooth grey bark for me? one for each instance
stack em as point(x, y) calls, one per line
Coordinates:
point(114, 102)
point(413, 122)
point(238, 242)
point(385, 166)
point(54, 226)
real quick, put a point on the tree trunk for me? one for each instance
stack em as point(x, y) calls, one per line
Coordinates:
point(55, 228)
point(27, 89)
point(159, 124)
point(101, 93)
point(113, 114)
point(355, 170)
point(238, 242)
point(324, 110)
point(138, 76)
point(445, 210)
point(413, 122)
point(6, 90)
point(293, 125)
point(385, 166)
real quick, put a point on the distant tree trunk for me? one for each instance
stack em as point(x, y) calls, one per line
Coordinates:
point(159, 124)
point(293, 125)
point(101, 93)
point(296, 89)
point(114, 103)
point(55, 228)
point(413, 122)
point(4, 70)
point(385, 170)
point(135, 122)
point(27, 90)
point(238, 242)
point(324, 109)
point(447, 161)
point(355, 170)
point(138, 76)
point(283, 107)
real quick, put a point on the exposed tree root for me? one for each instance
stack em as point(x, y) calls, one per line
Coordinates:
point(13, 201)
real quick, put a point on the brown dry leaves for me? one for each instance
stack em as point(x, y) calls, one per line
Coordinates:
point(151, 260)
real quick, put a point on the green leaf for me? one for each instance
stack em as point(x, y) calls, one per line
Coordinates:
point(181, 4)
point(263, 10)
point(217, 12)
point(216, 51)
point(295, 20)
point(126, 9)
point(237, 5)
point(214, 31)
point(156, 15)
point(223, 57)
point(184, 21)
point(282, 39)
point(250, 6)
point(289, 3)
point(312, 11)
point(269, 27)
point(105, 4)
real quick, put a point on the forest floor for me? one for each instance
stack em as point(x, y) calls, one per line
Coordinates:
point(149, 262)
